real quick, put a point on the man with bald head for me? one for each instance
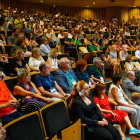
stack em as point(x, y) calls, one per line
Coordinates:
point(69, 46)
point(46, 84)
point(132, 91)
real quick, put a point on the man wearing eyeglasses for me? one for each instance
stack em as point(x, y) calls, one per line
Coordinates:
point(132, 91)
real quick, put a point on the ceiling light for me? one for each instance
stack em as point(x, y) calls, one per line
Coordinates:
point(134, 6)
point(87, 6)
point(93, 2)
point(41, 1)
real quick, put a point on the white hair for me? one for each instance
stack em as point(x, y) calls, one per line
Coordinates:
point(124, 46)
point(96, 59)
point(62, 62)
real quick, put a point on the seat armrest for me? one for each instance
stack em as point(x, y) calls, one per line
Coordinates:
point(83, 124)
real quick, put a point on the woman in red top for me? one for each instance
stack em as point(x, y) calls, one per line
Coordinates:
point(119, 45)
point(8, 104)
point(103, 102)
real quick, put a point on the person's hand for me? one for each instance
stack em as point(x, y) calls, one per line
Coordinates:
point(16, 105)
point(118, 108)
point(102, 65)
point(105, 121)
point(60, 96)
point(114, 115)
point(131, 106)
point(28, 97)
point(11, 103)
point(101, 123)
point(130, 102)
point(48, 100)
point(101, 82)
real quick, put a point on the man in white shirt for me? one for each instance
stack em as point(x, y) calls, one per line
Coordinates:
point(137, 53)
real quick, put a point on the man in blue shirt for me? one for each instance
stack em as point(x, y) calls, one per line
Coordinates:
point(96, 71)
point(46, 84)
point(65, 76)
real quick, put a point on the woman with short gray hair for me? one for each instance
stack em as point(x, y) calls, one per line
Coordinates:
point(123, 54)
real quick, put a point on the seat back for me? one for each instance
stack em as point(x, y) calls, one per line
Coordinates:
point(9, 33)
point(45, 57)
point(33, 77)
point(122, 64)
point(98, 54)
point(26, 59)
point(2, 50)
point(73, 132)
point(62, 55)
point(107, 87)
point(10, 83)
point(54, 118)
point(27, 127)
point(8, 49)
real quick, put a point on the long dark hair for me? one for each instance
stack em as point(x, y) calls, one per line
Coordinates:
point(97, 89)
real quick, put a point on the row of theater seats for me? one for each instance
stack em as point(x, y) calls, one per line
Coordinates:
point(55, 120)
point(54, 123)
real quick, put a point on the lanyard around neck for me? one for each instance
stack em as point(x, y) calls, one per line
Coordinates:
point(97, 69)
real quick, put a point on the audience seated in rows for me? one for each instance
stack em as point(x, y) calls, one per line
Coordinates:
point(47, 85)
point(117, 94)
point(103, 102)
point(83, 106)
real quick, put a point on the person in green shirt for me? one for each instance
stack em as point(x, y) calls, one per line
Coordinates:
point(93, 47)
point(17, 22)
point(75, 40)
point(101, 44)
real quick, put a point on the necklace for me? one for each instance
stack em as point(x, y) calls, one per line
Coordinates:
point(20, 63)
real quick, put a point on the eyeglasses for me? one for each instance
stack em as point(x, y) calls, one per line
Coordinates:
point(133, 75)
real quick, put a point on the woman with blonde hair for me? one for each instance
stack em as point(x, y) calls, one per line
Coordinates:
point(52, 59)
point(35, 60)
point(83, 106)
point(19, 61)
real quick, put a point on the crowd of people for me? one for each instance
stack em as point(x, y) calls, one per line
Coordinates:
point(35, 35)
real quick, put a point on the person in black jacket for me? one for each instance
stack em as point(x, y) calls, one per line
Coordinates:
point(82, 106)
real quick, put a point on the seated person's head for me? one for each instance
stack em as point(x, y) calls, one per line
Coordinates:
point(62, 32)
point(20, 41)
point(16, 32)
point(18, 54)
point(75, 36)
point(124, 48)
point(101, 36)
point(113, 48)
point(81, 89)
point(105, 50)
point(45, 68)
point(81, 65)
point(23, 76)
point(4, 23)
point(97, 62)
point(117, 79)
point(129, 58)
point(64, 63)
point(131, 75)
point(44, 40)
point(99, 90)
point(53, 53)
point(101, 42)
point(36, 52)
point(111, 42)
point(66, 34)
point(93, 41)
point(2, 131)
